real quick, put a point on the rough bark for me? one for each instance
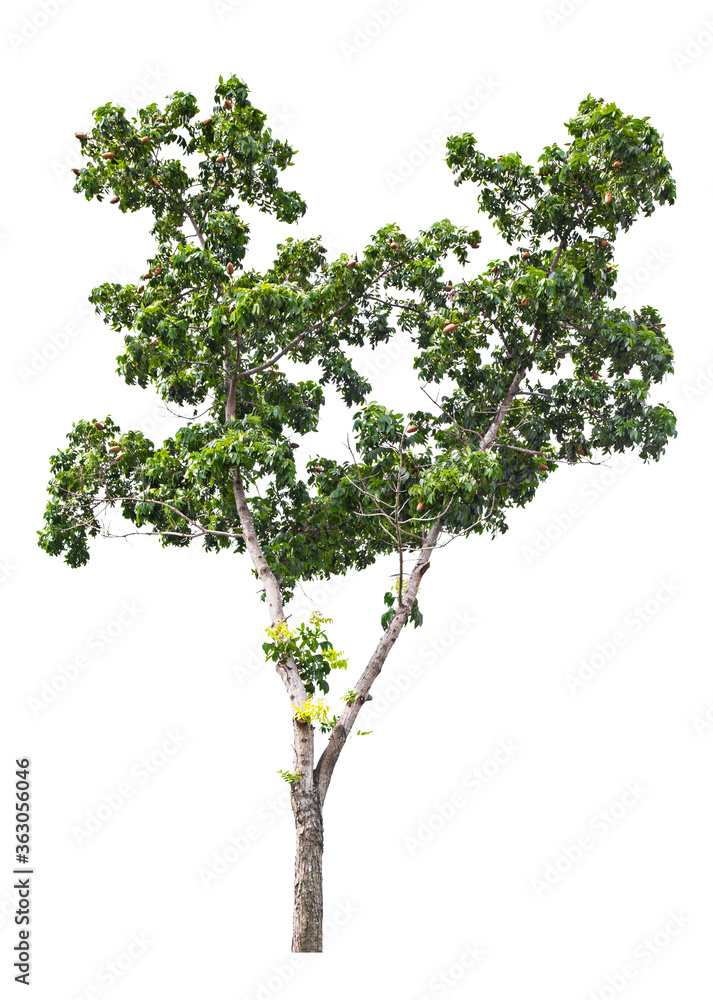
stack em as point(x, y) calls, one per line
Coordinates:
point(308, 904)
point(287, 668)
point(492, 431)
point(306, 805)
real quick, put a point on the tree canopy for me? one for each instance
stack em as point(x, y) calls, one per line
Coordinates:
point(525, 362)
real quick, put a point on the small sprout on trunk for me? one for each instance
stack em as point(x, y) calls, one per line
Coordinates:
point(291, 777)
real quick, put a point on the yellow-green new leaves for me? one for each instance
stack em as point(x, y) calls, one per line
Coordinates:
point(291, 777)
point(315, 710)
point(312, 710)
point(309, 646)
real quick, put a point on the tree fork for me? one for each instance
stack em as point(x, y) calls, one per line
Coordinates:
point(306, 804)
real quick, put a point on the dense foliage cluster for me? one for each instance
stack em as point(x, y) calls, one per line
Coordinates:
point(532, 345)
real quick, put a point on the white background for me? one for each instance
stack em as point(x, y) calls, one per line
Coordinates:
point(587, 559)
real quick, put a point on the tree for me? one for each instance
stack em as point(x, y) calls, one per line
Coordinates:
point(525, 364)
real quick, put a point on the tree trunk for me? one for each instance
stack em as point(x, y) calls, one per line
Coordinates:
point(307, 917)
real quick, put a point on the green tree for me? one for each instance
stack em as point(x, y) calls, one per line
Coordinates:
point(526, 364)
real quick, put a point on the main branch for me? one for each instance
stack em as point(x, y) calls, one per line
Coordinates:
point(343, 727)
